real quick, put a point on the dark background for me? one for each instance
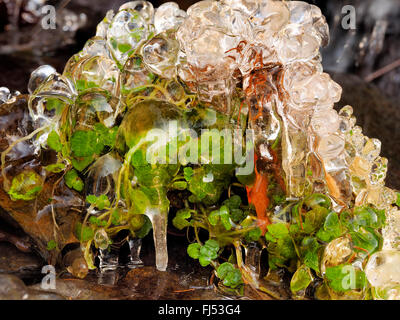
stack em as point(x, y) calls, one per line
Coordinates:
point(352, 58)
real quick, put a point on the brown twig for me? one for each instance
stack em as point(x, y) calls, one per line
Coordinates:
point(379, 73)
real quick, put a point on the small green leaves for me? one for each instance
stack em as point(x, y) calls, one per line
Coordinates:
point(26, 186)
point(253, 235)
point(276, 231)
point(310, 253)
point(51, 245)
point(220, 215)
point(83, 143)
point(83, 234)
point(140, 201)
point(301, 280)
point(99, 202)
point(53, 141)
point(188, 173)
point(343, 278)
point(73, 181)
point(331, 228)
point(230, 276)
point(398, 199)
point(369, 217)
point(97, 222)
point(193, 250)
point(280, 247)
point(205, 253)
point(180, 220)
point(317, 199)
point(145, 229)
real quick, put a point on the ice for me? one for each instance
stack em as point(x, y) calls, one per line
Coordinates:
point(383, 268)
point(168, 16)
point(126, 31)
point(160, 54)
point(336, 252)
point(102, 27)
point(135, 74)
point(135, 246)
point(5, 94)
point(38, 76)
point(159, 220)
point(96, 71)
point(145, 8)
point(95, 105)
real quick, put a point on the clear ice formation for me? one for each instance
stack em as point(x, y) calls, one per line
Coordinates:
point(267, 49)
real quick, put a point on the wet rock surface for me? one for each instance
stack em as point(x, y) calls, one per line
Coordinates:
point(21, 264)
point(13, 288)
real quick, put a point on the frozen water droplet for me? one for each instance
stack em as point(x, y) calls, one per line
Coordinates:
point(5, 94)
point(160, 54)
point(168, 16)
point(126, 31)
point(383, 268)
point(38, 76)
point(145, 8)
point(209, 177)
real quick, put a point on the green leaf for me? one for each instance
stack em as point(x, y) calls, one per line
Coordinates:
point(221, 215)
point(331, 228)
point(140, 201)
point(26, 186)
point(83, 234)
point(53, 141)
point(310, 248)
point(80, 164)
point(179, 185)
point(344, 278)
point(233, 279)
point(51, 245)
point(99, 202)
point(398, 199)
point(301, 279)
point(233, 202)
point(253, 235)
point(188, 173)
point(97, 222)
point(210, 249)
point(204, 260)
point(144, 231)
point(367, 239)
point(85, 143)
point(224, 269)
point(55, 104)
point(277, 231)
point(180, 221)
point(193, 250)
point(369, 217)
point(55, 168)
point(124, 47)
point(317, 199)
point(73, 181)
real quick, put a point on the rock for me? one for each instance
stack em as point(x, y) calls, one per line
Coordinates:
point(13, 288)
point(21, 264)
